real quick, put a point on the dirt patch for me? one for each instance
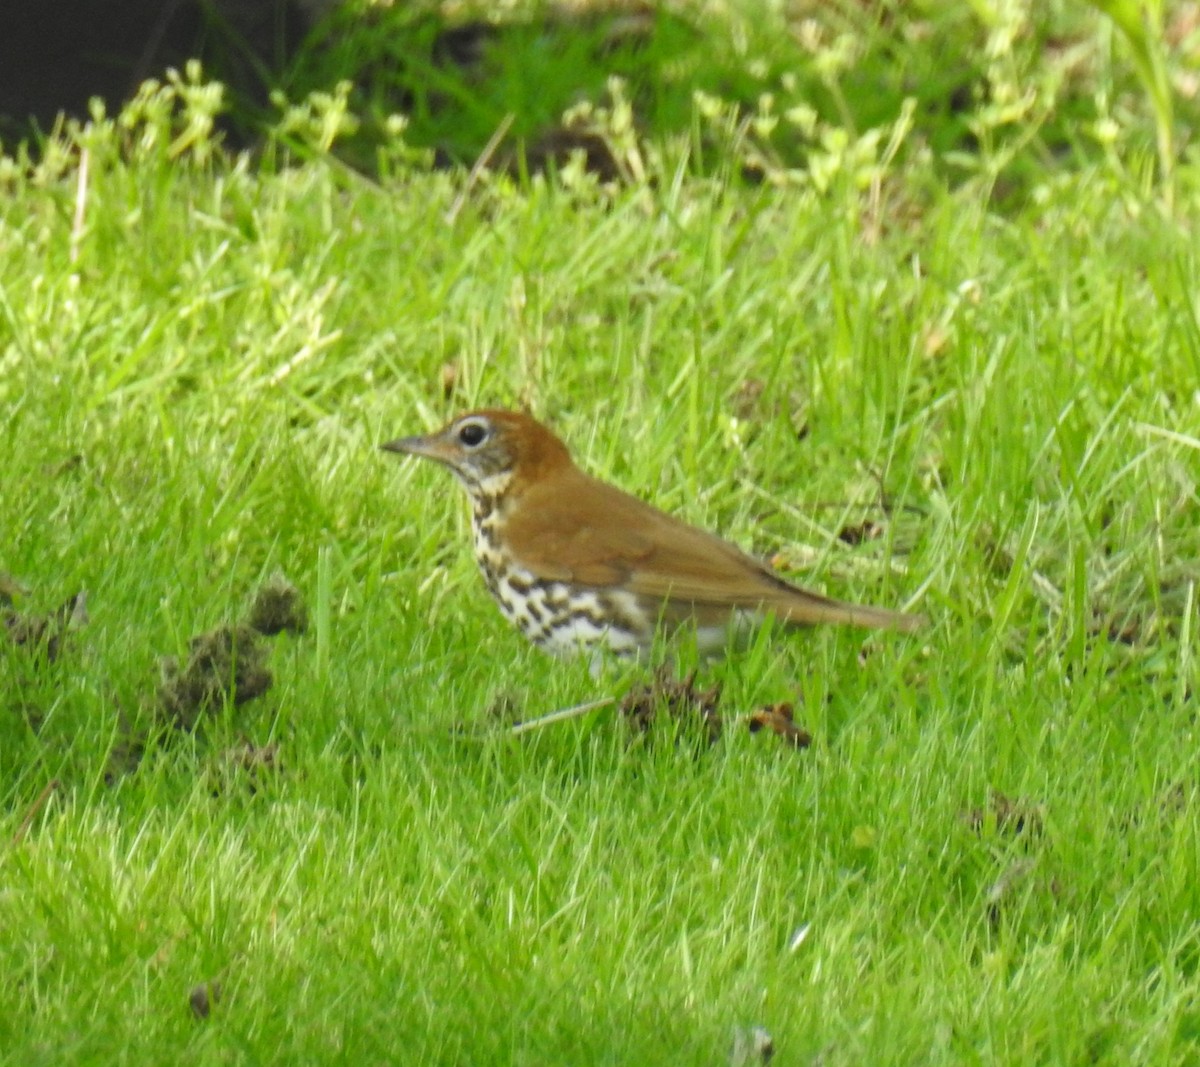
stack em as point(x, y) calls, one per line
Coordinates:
point(228, 664)
point(43, 635)
point(677, 701)
point(278, 608)
point(225, 664)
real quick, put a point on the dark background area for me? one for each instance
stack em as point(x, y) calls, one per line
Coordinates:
point(55, 56)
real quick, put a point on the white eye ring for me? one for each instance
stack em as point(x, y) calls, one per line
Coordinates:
point(473, 433)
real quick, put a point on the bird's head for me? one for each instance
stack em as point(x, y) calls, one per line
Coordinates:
point(489, 450)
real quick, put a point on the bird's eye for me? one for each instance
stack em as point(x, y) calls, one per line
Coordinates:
point(472, 434)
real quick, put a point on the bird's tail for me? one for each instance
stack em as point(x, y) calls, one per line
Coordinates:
point(798, 607)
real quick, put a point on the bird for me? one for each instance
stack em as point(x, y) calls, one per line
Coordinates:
point(579, 565)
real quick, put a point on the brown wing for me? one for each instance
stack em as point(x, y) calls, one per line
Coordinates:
point(582, 530)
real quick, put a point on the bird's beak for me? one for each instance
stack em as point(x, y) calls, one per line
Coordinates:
point(428, 447)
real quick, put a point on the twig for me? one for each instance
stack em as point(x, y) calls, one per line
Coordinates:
point(561, 716)
point(485, 157)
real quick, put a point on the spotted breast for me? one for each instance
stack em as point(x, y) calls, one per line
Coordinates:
point(554, 615)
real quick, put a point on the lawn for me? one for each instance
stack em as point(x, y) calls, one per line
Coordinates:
point(922, 359)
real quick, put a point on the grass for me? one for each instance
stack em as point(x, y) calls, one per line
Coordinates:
point(195, 377)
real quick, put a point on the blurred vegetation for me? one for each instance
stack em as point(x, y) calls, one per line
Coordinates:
point(1004, 91)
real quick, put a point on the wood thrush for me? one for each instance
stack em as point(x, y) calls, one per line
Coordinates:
point(578, 564)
